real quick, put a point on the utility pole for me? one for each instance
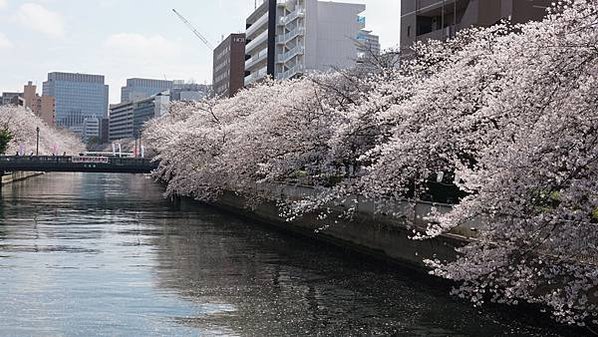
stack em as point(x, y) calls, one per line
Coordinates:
point(37, 145)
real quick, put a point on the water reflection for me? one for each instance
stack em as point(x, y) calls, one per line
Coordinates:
point(282, 286)
point(96, 254)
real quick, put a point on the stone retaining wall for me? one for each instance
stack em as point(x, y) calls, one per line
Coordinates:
point(368, 232)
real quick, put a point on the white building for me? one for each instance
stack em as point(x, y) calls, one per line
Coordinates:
point(368, 45)
point(288, 38)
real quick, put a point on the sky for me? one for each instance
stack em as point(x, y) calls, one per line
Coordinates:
point(123, 39)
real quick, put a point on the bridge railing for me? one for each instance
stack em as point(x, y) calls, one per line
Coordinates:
point(52, 159)
point(69, 159)
point(70, 163)
point(130, 161)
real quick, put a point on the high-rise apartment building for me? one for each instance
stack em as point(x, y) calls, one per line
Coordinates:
point(229, 66)
point(288, 38)
point(78, 96)
point(42, 106)
point(441, 19)
point(141, 88)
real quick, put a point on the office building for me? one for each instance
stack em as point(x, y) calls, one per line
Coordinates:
point(91, 129)
point(229, 66)
point(182, 91)
point(104, 130)
point(285, 39)
point(11, 98)
point(121, 121)
point(435, 19)
point(127, 119)
point(78, 96)
point(368, 45)
point(42, 106)
point(141, 88)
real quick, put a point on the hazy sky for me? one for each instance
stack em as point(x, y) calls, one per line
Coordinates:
point(131, 38)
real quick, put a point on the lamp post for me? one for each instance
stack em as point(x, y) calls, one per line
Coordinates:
point(37, 144)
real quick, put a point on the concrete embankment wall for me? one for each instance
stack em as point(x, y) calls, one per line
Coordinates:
point(367, 232)
point(12, 177)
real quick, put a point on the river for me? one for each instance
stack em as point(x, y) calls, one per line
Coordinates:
point(106, 255)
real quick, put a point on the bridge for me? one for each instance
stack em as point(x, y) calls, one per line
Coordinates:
point(76, 164)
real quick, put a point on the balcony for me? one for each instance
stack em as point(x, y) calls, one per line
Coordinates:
point(283, 39)
point(257, 25)
point(426, 5)
point(282, 58)
point(255, 76)
point(298, 69)
point(262, 55)
point(299, 12)
point(439, 34)
point(361, 22)
point(263, 37)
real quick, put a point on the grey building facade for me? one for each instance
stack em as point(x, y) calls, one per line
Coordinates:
point(78, 96)
point(91, 129)
point(441, 19)
point(121, 121)
point(104, 130)
point(127, 119)
point(189, 91)
point(11, 98)
point(141, 88)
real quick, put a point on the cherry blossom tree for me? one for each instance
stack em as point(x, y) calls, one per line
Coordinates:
point(504, 118)
point(23, 123)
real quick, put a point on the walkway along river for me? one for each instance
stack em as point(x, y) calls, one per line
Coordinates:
point(101, 254)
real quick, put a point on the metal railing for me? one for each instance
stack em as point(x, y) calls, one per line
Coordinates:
point(297, 13)
point(299, 68)
point(256, 76)
point(282, 58)
point(262, 55)
point(282, 39)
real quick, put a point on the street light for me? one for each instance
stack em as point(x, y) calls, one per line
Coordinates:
point(37, 146)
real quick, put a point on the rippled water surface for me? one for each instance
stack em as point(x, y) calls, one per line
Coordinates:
point(106, 255)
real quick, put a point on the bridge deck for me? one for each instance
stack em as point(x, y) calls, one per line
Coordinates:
point(75, 164)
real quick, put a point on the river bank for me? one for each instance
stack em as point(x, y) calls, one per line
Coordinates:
point(377, 234)
point(380, 238)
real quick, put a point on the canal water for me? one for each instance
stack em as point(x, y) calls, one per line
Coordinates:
point(106, 255)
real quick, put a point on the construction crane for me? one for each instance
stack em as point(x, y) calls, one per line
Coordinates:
point(194, 30)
